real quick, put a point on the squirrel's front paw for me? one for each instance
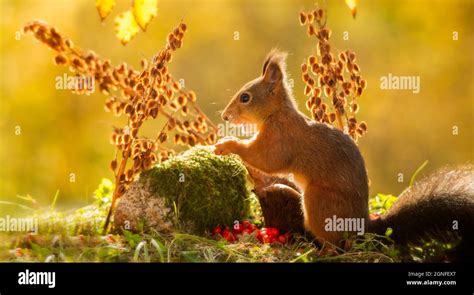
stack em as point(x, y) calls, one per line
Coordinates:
point(225, 146)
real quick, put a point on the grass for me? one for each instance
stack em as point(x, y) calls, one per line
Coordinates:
point(75, 236)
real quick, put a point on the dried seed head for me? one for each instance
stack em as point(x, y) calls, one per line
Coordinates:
point(113, 165)
point(60, 59)
point(355, 108)
point(352, 56)
point(320, 13)
point(182, 100)
point(304, 68)
point(162, 137)
point(183, 27)
point(305, 77)
point(356, 69)
point(192, 96)
point(303, 18)
point(328, 91)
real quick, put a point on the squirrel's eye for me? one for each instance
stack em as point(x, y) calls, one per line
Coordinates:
point(244, 97)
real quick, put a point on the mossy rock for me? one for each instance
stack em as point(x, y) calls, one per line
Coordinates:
point(192, 192)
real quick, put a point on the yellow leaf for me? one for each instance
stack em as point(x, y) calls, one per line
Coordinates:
point(144, 11)
point(104, 7)
point(352, 4)
point(126, 27)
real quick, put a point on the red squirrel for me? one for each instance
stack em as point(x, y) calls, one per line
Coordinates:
point(330, 170)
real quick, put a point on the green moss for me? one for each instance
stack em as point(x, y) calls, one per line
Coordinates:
point(203, 189)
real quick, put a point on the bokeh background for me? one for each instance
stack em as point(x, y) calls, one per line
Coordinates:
point(63, 133)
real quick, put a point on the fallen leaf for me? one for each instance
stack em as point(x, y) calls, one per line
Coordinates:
point(352, 4)
point(104, 7)
point(144, 11)
point(126, 27)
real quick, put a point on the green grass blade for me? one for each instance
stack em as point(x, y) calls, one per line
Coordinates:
point(413, 178)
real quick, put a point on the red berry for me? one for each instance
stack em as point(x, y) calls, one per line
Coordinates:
point(273, 232)
point(229, 236)
point(238, 228)
point(267, 239)
point(217, 230)
point(226, 231)
point(252, 227)
point(282, 239)
point(246, 224)
point(259, 235)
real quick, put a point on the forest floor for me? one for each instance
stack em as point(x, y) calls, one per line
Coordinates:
point(76, 236)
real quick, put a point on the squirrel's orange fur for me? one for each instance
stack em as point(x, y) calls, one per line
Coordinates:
point(325, 162)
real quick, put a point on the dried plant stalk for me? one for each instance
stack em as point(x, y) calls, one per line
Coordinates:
point(333, 84)
point(139, 96)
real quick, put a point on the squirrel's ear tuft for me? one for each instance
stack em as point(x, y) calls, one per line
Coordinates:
point(274, 68)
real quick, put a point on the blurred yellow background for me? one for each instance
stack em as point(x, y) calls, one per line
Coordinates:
point(63, 133)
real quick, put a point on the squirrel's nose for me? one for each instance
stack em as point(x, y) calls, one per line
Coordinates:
point(225, 117)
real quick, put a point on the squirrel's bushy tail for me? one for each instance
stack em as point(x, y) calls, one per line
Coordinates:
point(440, 206)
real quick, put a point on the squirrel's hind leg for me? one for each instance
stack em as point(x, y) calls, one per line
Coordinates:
point(318, 204)
point(281, 207)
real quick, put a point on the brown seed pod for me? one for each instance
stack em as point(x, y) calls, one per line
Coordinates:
point(320, 13)
point(60, 59)
point(303, 18)
point(352, 57)
point(317, 91)
point(113, 165)
point(183, 27)
point(134, 133)
point(162, 137)
point(305, 77)
point(328, 91)
point(128, 109)
point(174, 106)
point(318, 101)
point(192, 96)
point(304, 68)
point(355, 108)
point(162, 100)
point(363, 126)
point(182, 100)
point(69, 44)
point(192, 140)
point(356, 69)
point(176, 86)
point(184, 139)
point(126, 138)
point(151, 104)
point(184, 111)
point(310, 17)
point(311, 30)
point(176, 139)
